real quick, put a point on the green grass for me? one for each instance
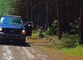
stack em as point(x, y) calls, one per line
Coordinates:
point(76, 52)
point(35, 34)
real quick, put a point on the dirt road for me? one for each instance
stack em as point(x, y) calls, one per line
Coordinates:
point(13, 51)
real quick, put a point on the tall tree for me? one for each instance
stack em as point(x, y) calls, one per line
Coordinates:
point(81, 20)
point(64, 16)
point(6, 7)
point(20, 8)
point(59, 15)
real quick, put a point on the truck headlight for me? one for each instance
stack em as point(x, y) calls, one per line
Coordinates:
point(23, 32)
point(0, 28)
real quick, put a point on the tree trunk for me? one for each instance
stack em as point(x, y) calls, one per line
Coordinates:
point(59, 15)
point(81, 21)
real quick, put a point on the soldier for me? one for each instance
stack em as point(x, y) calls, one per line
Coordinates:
point(41, 32)
point(28, 27)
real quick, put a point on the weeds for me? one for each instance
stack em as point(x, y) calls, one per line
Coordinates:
point(70, 41)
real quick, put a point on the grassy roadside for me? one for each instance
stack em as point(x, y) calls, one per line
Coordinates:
point(50, 43)
point(75, 52)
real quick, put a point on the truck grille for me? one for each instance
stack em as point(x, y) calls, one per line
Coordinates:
point(11, 31)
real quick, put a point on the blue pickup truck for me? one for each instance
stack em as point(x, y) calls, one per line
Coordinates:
point(12, 28)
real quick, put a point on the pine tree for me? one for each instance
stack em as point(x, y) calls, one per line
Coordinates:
point(81, 20)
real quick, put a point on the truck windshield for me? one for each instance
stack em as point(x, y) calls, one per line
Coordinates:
point(11, 20)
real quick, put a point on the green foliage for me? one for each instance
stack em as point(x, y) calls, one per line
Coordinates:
point(76, 52)
point(53, 29)
point(74, 27)
point(35, 34)
point(70, 41)
point(6, 7)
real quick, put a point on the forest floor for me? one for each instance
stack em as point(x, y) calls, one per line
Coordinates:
point(52, 53)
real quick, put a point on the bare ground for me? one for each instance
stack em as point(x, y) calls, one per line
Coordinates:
point(33, 50)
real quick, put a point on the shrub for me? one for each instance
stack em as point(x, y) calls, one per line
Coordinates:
point(53, 29)
point(70, 41)
point(74, 27)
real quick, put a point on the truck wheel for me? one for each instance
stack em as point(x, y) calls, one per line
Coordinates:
point(23, 41)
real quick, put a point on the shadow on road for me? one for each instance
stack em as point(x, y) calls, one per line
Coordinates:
point(13, 43)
